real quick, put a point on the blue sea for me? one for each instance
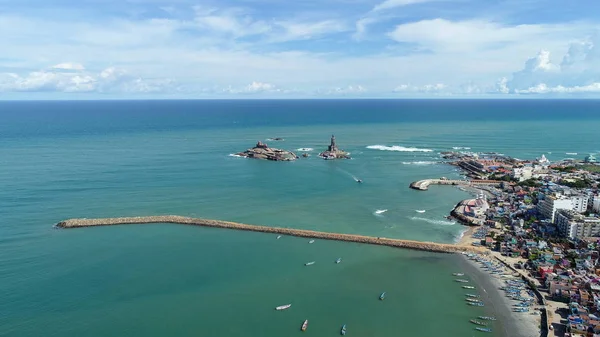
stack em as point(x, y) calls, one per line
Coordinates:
point(62, 160)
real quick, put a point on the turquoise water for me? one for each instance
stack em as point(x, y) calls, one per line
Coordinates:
point(100, 159)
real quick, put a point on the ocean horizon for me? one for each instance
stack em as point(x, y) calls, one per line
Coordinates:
point(71, 159)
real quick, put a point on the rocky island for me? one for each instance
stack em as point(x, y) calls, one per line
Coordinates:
point(263, 151)
point(333, 152)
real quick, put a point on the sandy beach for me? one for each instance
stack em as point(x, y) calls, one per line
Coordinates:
point(509, 323)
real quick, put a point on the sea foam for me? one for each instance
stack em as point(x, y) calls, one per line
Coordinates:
point(419, 162)
point(433, 221)
point(380, 211)
point(305, 149)
point(236, 155)
point(397, 148)
point(461, 148)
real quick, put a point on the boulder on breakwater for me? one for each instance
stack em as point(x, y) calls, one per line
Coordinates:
point(409, 244)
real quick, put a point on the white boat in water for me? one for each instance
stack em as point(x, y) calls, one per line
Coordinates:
point(458, 274)
point(311, 241)
point(338, 260)
point(283, 307)
point(309, 263)
point(278, 237)
point(420, 211)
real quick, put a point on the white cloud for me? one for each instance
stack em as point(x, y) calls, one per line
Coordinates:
point(542, 88)
point(388, 4)
point(253, 88)
point(578, 72)
point(427, 88)
point(347, 90)
point(306, 30)
point(441, 35)
point(235, 22)
point(69, 66)
point(56, 79)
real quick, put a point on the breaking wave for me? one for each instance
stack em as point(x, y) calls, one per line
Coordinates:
point(235, 155)
point(571, 153)
point(419, 162)
point(380, 211)
point(397, 148)
point(433, 221)
point(461, 148)
point(305, 149)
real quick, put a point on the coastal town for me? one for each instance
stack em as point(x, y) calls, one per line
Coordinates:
point(541, 220)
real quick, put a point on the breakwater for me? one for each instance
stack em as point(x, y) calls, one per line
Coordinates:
point(423, 185)
point(175, 219)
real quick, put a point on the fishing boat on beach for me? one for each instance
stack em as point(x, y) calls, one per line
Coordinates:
point(484, 329)
point(468, 287)
point(343, 331)
point(283, 307)
point(382, 296)
point(476, 304)
point(304, 325)
point(309, 263)
point(487, 318)
point(338, 260)
point(474, 321)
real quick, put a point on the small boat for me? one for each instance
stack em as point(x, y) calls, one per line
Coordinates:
point(461, 280)
point(476, 304)
point(468, 287)
point(488, 318)
point(472, 295)
point(283, 307)
point(458, 274)
point(484, 329)
point(338, 260)
point(311, 241)
point(343, 331)
point(382, 296)
point(309, 263)
point(304, 325)
point(474, 321)
point(472, 300)
point(359, 181)
point(420, 211)
point(278, 237)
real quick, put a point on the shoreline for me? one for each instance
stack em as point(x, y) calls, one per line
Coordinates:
point(509, 323)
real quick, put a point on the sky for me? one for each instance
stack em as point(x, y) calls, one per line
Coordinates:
point(127, 49)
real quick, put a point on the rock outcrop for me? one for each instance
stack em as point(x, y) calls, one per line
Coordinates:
point(333, 152)
point(263, 151)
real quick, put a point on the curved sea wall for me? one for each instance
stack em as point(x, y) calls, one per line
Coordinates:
point(175, 219)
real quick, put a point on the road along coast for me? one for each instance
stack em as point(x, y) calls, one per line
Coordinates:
point(175, 219)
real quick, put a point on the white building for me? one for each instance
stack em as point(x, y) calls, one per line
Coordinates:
point(580, 202)
point(522, 173)
point(596, 204)
point(574, 225)
point(548, 207)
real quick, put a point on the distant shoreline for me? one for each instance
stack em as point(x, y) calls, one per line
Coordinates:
point(175, 219)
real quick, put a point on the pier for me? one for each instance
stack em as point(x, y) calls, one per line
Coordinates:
point(175, 219)
point(423, 185)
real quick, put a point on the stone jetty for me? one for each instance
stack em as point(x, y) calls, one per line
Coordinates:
point(423, 185)
point(175, 219)
point(263, 151)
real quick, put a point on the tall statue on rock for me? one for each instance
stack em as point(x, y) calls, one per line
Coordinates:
point(333, 152)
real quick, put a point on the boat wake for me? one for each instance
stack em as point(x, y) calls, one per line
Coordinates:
point(420, 210)
point(397, 148)
point(419, 162)
point(379, 212)
point(434, 222)
point(305, 149)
